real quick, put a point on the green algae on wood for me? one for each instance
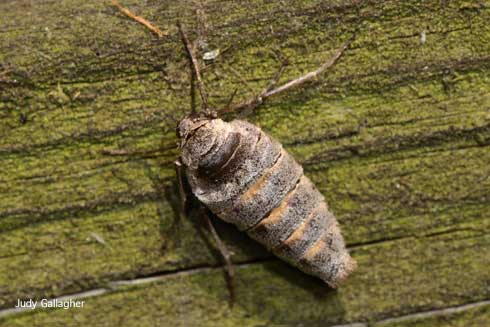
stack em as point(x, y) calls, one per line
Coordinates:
point(395, 136)
point(394, 278)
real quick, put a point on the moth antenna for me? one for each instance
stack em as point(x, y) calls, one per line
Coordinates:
point(194, 66)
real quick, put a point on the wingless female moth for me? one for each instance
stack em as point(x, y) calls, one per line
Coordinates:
point(246, 178)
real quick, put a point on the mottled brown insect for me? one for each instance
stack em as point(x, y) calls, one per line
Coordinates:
point(246, 178)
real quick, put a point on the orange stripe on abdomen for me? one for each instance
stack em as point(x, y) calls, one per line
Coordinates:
point(288, 216)
point(261, 182)
point(265, 194)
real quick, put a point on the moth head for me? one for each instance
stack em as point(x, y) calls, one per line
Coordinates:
point(198, 135)
point(192, 122)
point(188, 125)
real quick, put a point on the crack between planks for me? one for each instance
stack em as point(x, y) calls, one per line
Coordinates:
point(434, 313)
point(118, 285)
point(419, 315)
point(352, 246)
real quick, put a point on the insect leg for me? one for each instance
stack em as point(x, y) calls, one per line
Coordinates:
point(311, 75)
point(230, 269)
point(231, 98)
point(270, 90)
point(257, 100)
point(275, 79)
point(182, 192)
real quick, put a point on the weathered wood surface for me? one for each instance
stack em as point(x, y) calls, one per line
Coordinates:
point(396, 136)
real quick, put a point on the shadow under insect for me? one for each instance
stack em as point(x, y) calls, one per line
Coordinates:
point(245, 251)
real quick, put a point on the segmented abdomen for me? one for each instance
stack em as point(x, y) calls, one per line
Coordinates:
point(248, 179)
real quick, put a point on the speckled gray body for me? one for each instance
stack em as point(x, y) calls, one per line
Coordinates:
point(246, 178)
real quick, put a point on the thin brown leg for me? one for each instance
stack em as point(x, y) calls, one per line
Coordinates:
point(278, 74)
point(255, 101)
point(275, 79)
point(182, 193)
point(230, 269)
point(270, 91)
point(231, 98)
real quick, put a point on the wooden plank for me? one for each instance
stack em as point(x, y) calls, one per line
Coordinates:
point(396, 136)
point(394, 278)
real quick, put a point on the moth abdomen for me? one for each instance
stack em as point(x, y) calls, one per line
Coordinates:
point(305, 235)
point(267, 192)
point(324, 259)
point(283, 220)
point(248, 179)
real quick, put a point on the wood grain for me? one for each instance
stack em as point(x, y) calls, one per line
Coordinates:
point(396, 136)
